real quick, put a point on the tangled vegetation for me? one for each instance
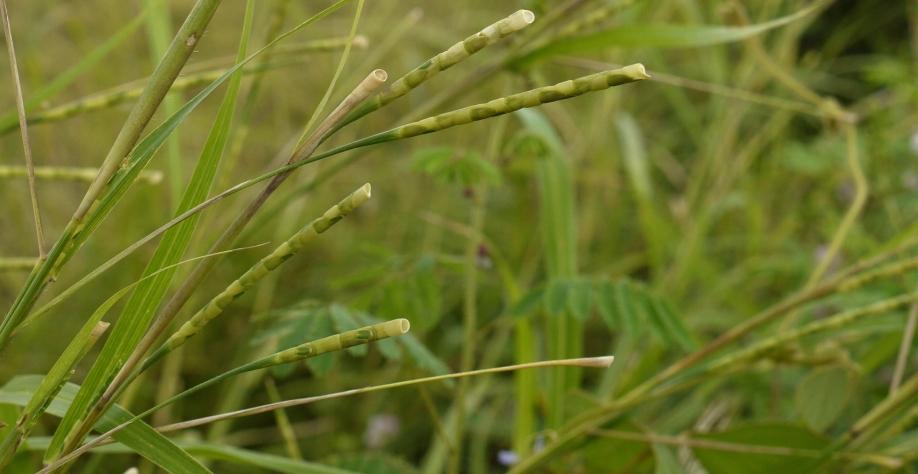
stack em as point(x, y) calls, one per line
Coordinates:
point(593, 236)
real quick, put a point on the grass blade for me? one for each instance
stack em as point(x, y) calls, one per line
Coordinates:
point(660, 36)
point(308, 350)
point(52, 383)
point(142, 304)
point(140, 437)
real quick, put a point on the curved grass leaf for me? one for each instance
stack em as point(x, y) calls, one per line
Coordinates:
point(659, 36)
point(140, 437)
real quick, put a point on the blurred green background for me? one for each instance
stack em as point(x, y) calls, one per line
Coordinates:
point(713, 190)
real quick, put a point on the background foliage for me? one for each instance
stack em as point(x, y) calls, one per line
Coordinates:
point(654, 217)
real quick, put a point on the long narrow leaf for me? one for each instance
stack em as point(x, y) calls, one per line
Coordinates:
point(140, 437)
point(660, 36)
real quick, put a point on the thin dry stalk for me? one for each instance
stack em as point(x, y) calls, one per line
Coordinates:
point(23, 128)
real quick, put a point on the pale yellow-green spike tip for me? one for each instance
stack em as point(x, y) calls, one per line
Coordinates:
point(637, 70)
point(395, 327)
point(600, 362)
point(363, 194)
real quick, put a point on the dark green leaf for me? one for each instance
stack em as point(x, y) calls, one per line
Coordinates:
point(822, 395)
point(771, 434)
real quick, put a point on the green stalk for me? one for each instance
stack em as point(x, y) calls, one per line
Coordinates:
point(51, 384)
point(336, 342)
point(283, 422)
point(159, 31)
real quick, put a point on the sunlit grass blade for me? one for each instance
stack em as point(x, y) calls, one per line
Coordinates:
point(139, 436)
point(141, 306)
point(55, 379)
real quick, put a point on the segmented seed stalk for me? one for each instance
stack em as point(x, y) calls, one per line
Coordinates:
point(258, 271)
point(366, 87)
point(336, 342)
point(444, 60)
point(455, 54)
point(71, 173)
point(504, 105)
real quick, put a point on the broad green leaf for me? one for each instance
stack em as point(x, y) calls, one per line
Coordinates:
point(672, 328)
point(371, 463)
point(452, 166)
point(261, 460)
point(822, 396)
point(528, 304)
point(317, 325)
point(626, 304)
point(606, 305)
point(423, 357)
point(139, 436)
point(659, 36)
point(580, 298)
point(556, 297)
point(766, 434)
point(146, 298)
